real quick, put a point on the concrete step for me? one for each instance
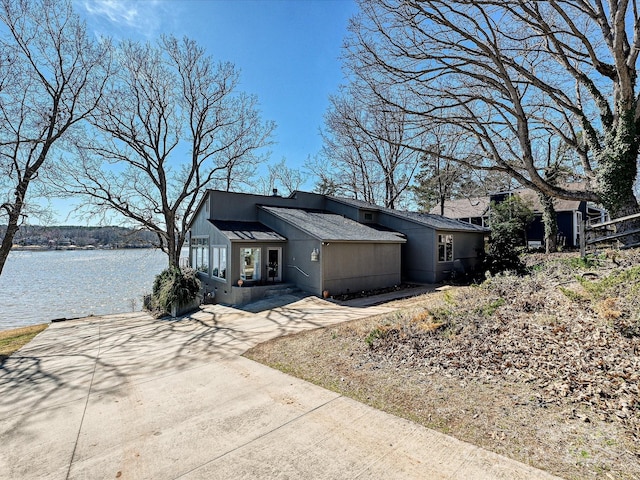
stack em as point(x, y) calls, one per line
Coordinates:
point(281, 289)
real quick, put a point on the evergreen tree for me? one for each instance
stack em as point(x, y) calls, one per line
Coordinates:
point(508, 221)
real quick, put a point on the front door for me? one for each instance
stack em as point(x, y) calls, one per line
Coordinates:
point(274, 267)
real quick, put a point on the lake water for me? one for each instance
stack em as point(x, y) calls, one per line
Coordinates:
point(36, 287)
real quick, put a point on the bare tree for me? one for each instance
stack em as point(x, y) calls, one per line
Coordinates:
point(440, 178)
point(512, 73)
point(291, 179)
point(279, 175)
point(436, 182)
point(172, 125)
point(369, 147)
point(51, 76)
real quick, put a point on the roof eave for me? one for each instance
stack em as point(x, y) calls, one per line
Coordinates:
point(256, 240)
point(342, 240)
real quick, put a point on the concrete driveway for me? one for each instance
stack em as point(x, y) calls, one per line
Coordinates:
point(130, 397)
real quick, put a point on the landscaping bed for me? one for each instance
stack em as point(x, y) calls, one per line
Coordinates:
point(370, 293)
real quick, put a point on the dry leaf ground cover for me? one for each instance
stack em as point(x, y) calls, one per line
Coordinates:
point(542, 368)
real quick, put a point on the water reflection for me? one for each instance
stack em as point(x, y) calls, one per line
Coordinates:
point(36, 287)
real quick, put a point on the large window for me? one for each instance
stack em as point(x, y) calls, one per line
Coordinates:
point(445, 248)
point(200, 254)
point(250, 263)
point(219, 262)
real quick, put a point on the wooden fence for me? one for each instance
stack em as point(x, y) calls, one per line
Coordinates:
point(605, 232)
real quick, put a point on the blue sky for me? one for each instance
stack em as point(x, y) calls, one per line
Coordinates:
point(287, 51)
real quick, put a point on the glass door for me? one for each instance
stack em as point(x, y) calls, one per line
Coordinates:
point(250, 264)
point(274, 267)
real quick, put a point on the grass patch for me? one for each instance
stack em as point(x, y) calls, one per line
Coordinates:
point(571, 295)
point(589, 261)
point(12, 340)
point(376, 333)
point(490, 309)
point(614, 284)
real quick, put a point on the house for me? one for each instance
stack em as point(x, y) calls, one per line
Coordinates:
point(241, 244)
point(474, 210)
point(569, 213)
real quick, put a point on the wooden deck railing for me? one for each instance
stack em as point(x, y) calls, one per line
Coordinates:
point(605, 232)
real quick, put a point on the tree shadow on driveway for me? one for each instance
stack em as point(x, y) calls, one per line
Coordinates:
point(71, 359)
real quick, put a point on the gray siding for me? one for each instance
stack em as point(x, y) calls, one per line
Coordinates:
point(420, 254)
point(299, 268)
point(221, 288)
point(200, 224)
point(297, 265)
point(352, 267)
point(418, 257)
point(465, 248)
point(344, 266)
point(343, 209)
point(242, 207)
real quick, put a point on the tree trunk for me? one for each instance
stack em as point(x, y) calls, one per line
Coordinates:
point(14, 218)
point(550, 221)
point(7, 240)
point(175, 242)
point(618, 172)
point(174, 255)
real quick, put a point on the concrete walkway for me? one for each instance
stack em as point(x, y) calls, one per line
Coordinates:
point(129, 397)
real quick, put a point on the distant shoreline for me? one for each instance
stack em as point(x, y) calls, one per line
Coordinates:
point(44, 248)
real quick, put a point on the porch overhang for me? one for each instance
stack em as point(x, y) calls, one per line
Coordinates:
point(247, 231)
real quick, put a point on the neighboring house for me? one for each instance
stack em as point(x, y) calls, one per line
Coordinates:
point(319, 243)
point(569, 213)
point(474, 210)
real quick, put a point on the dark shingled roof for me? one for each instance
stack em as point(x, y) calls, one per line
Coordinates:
point(331, 227)
point(479, 206)
point(559, 204)
point(434, 221)
point(247, 231)
point(438, 222)
point(464, 208)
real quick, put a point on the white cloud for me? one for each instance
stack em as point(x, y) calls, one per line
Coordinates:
point(142, 16)
point(117, 11)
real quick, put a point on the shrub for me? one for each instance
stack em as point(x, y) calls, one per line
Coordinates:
point(508, 221)
point(586, 262)
point(174, 285)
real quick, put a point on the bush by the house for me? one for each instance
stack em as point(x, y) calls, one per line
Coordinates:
point(508, 220)
point(174, 285)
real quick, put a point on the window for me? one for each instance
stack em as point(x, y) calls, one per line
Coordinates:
point(250, 263)
point(219, 262)
point(445, 248)
point(200, 254)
